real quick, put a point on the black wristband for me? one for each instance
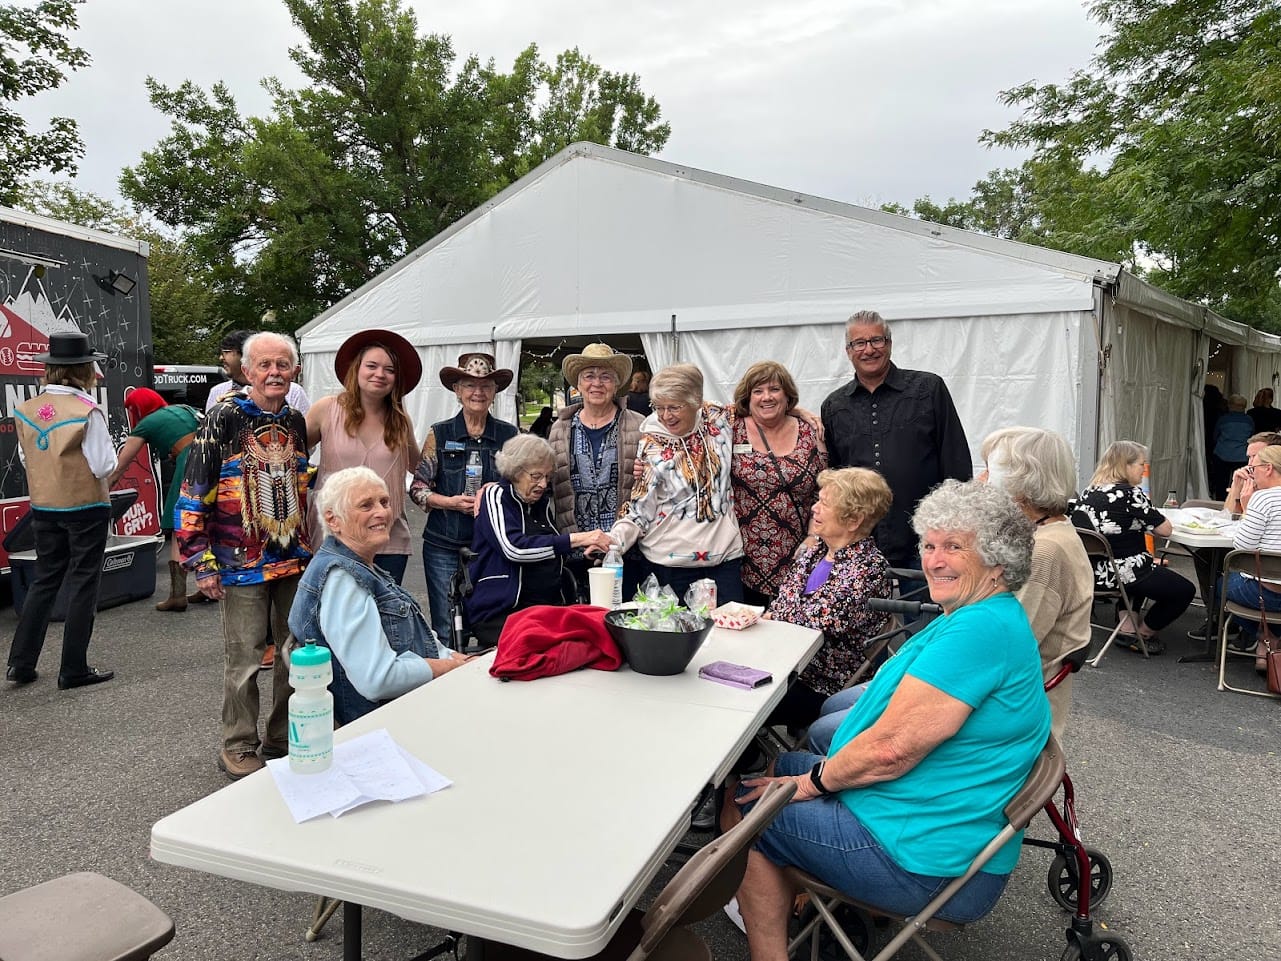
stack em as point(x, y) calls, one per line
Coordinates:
point(816, 778)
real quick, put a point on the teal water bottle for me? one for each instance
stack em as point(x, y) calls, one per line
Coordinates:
point(614, 561)
point(311, 710)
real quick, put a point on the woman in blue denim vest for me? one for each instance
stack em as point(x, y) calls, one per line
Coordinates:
point(440, 480)
point(381, 642)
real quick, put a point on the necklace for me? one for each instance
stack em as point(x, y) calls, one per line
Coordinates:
point(609, 419)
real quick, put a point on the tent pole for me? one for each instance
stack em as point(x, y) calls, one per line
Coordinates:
point(676, 343)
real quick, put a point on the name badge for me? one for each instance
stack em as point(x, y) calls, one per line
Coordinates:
point(742, 449)
point(455, 445)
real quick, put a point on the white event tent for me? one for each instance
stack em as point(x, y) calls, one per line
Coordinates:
point(600, 244)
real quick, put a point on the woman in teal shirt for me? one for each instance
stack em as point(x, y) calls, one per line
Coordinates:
point(920, 771)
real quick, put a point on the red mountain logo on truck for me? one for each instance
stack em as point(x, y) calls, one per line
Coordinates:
point(26, 321)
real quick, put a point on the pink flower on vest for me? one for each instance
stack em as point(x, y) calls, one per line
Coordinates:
point(46, 412)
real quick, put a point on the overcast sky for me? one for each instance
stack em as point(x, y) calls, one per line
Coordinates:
point(862, 101)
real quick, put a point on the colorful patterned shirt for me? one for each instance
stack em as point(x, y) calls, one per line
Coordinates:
point(1123, 514)
point(243, 506)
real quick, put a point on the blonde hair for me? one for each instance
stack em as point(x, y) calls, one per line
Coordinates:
point(1119, 455)
point(679, 383)
point(857, 492)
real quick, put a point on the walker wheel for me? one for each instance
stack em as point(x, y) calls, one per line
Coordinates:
point(1064, 883)
point(1105, 947)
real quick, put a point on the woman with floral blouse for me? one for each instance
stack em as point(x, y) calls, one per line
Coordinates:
point(828, 586)
point(1116, 507)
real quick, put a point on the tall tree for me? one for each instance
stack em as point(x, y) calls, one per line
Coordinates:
point(184, 324)
point(34, 53)
point(1181, 114)
point(387, 144)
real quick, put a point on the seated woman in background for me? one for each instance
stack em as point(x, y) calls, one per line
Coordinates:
point(519, 554)
point(1259, 529)
point(922, 767)
point(1116, 507)
point(681, 511)
point(777, 460)
point(1036, 468)
point(381, 642)
point(828, 585)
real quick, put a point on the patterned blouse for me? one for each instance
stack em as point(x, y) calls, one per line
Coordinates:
point(1123, 514)
point(838, 609)
point(772, 498)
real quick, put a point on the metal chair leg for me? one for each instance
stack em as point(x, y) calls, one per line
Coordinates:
point(325, 908)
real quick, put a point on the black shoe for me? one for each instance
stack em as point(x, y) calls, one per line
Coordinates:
point(94, 676)
point(21, 675)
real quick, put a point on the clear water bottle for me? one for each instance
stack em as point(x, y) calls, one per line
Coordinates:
point(614, 561)
point(474, 472)
point(311, 710)
point(1171, 500)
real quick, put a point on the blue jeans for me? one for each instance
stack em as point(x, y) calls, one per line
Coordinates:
point(393, 564)
point(825, 839)
point(831, 716)
point(1249, 592)
point(439, 565)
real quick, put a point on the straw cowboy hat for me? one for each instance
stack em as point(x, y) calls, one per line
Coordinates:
point(478, 367)
point(68, 348)
point(409, 366)
point(596, 355)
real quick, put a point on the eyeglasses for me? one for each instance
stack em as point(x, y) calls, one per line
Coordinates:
point(486, 387)
point(876, 343)
point(672, 409)
point(606, 377)
point(537, 478)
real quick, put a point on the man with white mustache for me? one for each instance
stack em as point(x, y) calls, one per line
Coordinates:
point(242, 531)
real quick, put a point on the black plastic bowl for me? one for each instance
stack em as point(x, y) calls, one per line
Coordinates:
point(656, 652)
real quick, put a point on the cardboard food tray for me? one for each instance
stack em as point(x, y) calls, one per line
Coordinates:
point(735, 617)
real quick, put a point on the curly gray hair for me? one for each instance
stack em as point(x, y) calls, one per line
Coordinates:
point(1002, 532)
point(523, 452)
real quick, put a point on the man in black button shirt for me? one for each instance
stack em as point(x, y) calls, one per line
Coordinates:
point(901, 423)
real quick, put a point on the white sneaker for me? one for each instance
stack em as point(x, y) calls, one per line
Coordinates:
point(732, 912)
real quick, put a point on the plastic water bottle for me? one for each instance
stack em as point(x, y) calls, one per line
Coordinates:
point(474, 472)
point(1171, 500)
point(614, 561)
point(311, 710)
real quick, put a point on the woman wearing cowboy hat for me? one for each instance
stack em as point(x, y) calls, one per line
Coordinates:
point(366, 426)
point(66, 448)
point(595, 446)
point(440, 480)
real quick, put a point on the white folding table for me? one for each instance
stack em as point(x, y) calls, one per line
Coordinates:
point(1208, 550)
point(569, 794)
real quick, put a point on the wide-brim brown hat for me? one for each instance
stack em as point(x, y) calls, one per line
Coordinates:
point(409, 366)
point(597, 355)
point(68, 348)
point(477, 366)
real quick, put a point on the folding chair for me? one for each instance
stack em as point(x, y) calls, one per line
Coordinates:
point(81, 917)
point(703, 885)
point(1038, 790)
point(1242, 562)
point(1100, 552)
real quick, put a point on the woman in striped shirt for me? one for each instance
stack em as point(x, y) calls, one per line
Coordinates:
point(1259, 529)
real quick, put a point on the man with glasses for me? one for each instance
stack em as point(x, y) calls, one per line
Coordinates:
point(901, 423)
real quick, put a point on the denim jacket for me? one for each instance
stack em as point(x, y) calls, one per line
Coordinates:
point(453, 529)
point(402, 619)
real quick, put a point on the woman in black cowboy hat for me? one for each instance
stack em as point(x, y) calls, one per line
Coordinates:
point(67, 451)
point(440, 482)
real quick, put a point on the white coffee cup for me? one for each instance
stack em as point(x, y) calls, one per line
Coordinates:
point(600, 586)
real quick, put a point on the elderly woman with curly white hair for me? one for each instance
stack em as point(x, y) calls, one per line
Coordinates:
point(520, 555)
point(381, 641)
point(920, 771)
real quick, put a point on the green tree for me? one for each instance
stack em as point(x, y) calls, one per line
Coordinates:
point(539, 381)
point(388, 143)
point(34, 52)
point(1181, 113)
point(184, 328)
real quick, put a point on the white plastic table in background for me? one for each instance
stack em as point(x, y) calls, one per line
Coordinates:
point(569, 794)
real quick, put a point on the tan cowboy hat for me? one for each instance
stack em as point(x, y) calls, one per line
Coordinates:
point(409, 366)
point(597, 355)
point(478, 367)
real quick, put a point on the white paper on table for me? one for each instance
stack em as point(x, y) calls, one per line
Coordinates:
point(372, 767)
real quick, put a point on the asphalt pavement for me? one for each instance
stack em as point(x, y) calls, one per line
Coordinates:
point(1176, 782)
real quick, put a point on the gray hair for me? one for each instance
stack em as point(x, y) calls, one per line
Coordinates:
point(521, 453)
point(261, 339)
point(1002, 532)
point(869, 317)
point(679, 383)
point(335, 497)
point(1034, 466)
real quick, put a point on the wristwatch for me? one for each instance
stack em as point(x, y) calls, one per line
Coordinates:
point(816, 778)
